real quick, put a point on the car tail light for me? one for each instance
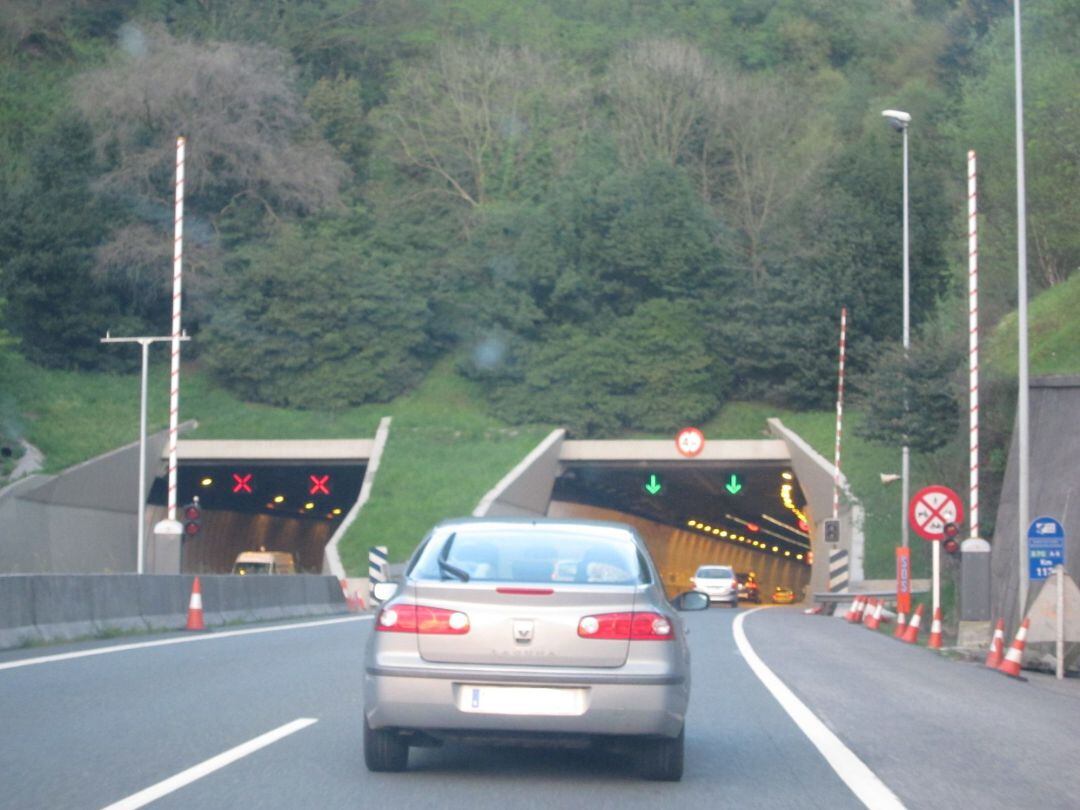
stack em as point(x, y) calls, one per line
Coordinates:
point(404, 618)
point(632, 626)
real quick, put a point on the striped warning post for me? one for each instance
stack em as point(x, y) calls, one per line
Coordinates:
point(378, 568)
point(838, 570)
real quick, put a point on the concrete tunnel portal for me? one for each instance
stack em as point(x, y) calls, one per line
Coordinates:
point(739, 503)
point(276, 495)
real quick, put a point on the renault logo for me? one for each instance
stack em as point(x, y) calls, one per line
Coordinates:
point(523, 631)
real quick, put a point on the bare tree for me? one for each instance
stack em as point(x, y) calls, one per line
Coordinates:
point(473, 119)
point(248, 132)
point(667, 99)
point(751, 144)
point(771, 148)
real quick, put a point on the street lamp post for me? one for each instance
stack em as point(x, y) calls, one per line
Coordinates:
point(145, 343)
point(900, 120)
point(1022, 406)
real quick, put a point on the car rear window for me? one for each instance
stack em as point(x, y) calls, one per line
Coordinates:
point(715, 573)
point(510, 556)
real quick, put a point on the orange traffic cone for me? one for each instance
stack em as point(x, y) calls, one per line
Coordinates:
point(911, 635)
point(901, 624)
point(935, 631)
point(997, 646)
point(194, 611)
point(875, 618)
point(1011, 664)
point(857, 609)
point(868, 614)
point(850, 615)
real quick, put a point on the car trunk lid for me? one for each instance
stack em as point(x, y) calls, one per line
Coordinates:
point(516, 624)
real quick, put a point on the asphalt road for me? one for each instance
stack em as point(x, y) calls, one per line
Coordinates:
point(92, 731)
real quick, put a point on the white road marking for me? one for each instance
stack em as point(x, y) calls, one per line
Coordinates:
point(142, 645)
point(862, 781)
point(207, 767)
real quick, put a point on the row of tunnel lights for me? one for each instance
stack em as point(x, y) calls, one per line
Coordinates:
point(278, 500)
point(739, 538)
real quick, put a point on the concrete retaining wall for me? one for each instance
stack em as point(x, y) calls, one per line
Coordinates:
point(59, 607)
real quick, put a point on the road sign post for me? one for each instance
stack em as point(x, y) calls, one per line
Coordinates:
point(1046, 547)
point(931, 510)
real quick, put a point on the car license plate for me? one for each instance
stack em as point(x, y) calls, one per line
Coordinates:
point(524, 700)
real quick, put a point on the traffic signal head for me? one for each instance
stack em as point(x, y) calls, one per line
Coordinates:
point(192, 514)
point(832, 531)
point(948, 540)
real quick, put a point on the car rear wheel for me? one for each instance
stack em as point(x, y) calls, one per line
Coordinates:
point(384, 751)
point(661, 760)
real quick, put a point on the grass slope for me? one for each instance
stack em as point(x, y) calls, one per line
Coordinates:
point(1053, 334)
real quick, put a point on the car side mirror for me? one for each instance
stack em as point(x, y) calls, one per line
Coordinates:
point(691, 600)
point(382, 591)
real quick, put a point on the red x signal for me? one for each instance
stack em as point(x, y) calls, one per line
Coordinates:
point(242, 483)
point(320, 485)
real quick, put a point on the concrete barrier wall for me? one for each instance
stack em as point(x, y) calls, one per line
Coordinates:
point(58, 607)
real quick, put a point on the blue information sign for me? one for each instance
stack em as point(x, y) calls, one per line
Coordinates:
point(1046, 547)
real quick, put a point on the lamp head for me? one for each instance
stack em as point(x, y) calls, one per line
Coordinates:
point(898, 119)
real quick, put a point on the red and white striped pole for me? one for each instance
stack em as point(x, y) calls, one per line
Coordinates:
point(839, 416)
point(174, 387)
point(973, 345)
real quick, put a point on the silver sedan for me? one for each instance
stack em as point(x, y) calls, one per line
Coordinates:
point(529, 632)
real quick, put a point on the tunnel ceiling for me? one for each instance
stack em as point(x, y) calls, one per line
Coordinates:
point(750, 504)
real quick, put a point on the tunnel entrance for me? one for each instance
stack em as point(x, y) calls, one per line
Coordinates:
point(292, 506)
point(750, 515)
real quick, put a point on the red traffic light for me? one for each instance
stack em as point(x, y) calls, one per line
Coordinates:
point(192, 518)
point(949, 541)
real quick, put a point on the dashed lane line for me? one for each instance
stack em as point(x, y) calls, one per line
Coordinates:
point(165, 642)
point(207, 767)
point(862, 781)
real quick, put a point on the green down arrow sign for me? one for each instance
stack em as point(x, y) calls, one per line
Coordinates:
point(733, 485)
point(654, 485)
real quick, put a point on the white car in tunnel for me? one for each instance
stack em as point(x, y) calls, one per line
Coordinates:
point(719, 582)
point(530, 632)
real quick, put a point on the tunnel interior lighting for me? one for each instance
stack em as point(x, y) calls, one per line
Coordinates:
point(336, 511)
point(279, 499)
point(786, 495)
point(206, 482)
point(786, 476)
point(309, 505)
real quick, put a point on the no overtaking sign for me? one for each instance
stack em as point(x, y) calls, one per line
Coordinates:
point(931, 509)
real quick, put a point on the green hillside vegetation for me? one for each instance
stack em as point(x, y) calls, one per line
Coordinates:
point(487, 214)
point(1053, 334)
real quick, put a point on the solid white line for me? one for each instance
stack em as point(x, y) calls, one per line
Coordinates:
point(165, 642)
point(207, 767)
point(862, 781)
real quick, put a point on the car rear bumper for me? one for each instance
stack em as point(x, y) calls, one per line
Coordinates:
point(613, 704)
point(723, 597)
